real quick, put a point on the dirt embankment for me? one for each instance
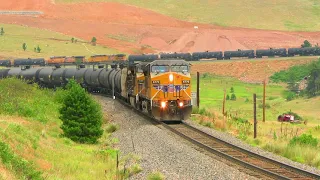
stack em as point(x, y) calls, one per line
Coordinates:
point(134, 30)
point(248, 71)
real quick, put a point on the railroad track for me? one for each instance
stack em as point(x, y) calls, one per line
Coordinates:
point(260, 165)
point(249, 160)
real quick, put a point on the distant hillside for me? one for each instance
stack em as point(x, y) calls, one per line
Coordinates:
point(51, 43)
point(292, 15)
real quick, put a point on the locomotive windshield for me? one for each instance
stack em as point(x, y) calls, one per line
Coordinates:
point(159, 69)
point(179, 68)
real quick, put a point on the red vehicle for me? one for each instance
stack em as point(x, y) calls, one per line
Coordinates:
point(286, 118)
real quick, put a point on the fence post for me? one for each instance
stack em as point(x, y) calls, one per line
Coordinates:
point(255, 115)
point(264, 101)
point(198, 87)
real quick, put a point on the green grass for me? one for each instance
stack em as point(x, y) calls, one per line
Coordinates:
point(30, 125)
point(272, 135)
point(51, 43)
point(292, 15)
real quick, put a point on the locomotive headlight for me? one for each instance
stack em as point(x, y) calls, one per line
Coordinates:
point(171, 77)
point(163, 104)
point(180, 104)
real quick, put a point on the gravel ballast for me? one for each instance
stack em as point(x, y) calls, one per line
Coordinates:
point(160, 150)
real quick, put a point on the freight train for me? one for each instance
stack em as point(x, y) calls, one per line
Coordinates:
point(160, 88)
point(195, 56)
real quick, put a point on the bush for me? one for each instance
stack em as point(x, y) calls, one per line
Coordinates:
point(304, 140)
point(81, 115)
point(231, 90)
point(228, 97)
point(111, 128)
point(155, 176)
point(291, 96)
point(233, 97)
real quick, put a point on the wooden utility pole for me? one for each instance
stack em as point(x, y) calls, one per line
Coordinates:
point(264, 100)
point(224, 101)
point(255, 115)
point(198, 88)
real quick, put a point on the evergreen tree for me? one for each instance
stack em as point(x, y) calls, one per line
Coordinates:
point(81, 115)
point(94, 41)
point(72, 40)
point(2, 31)
point(306, 43)
point(228, 97)
point(233, 97)
point(231, 90)
point(24, 46)
point(38, 49)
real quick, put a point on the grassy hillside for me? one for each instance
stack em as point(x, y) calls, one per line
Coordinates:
point(30, 131)
point(273, 136)
point(293, 15)
point(51, 43)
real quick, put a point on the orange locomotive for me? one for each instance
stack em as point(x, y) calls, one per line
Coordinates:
point(107, 58)
point(162, 88)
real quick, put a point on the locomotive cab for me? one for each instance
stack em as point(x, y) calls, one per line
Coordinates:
point(168, 90)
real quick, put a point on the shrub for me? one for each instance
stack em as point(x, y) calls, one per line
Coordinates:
point(233, 97)
point(81, 115)
point(228, 97)
point(231, 90)
point(247, 100)
point(304, 140)
point(111, 128)
point(290, 96)
point(155, 176)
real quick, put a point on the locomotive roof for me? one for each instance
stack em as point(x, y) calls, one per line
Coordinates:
point(169, 62)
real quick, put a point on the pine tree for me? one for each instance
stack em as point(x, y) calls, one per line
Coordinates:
point(38, 49)
point(228, 97)
point(2, 31)
point(24, 46)
point(306, 43)
point(94, 41)
point(81, 115)
point(231, 90)
point(233, 97)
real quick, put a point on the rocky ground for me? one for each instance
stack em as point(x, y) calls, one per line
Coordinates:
point(161, 151)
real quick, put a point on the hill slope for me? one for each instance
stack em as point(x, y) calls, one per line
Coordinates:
point(292, 15)
point(51, 43)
